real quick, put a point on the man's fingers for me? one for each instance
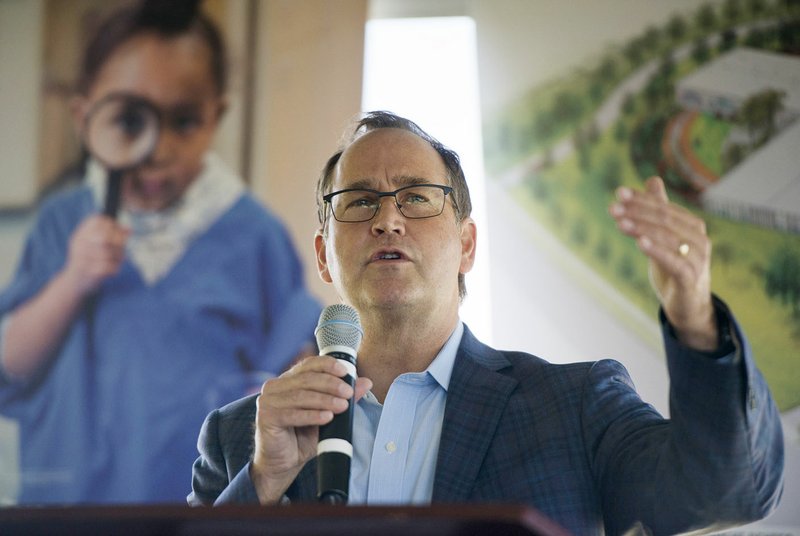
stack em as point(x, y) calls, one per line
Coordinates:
point(306, 399)
point(297, 418)
point(362, 386)
point(319, 377)
point(683, 268)
point(640, 214)
point(308, 394)
point(655, 185)
point(322, 363)
point(288, 416)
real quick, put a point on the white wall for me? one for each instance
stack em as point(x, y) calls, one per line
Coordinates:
point(308, 70)
point(20, 60)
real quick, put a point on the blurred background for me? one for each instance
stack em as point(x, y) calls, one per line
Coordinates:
point(551, 106)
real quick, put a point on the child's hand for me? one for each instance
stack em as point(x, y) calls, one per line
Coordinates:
point(96, 252)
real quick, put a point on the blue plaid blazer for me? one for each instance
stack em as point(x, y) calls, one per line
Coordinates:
point(573, 441)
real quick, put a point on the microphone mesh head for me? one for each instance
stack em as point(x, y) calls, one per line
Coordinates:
point(339, 325)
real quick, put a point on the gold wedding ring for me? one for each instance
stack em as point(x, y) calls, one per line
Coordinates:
point(683, 249)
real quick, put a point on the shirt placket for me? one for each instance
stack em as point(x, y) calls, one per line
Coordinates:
point(389, 461)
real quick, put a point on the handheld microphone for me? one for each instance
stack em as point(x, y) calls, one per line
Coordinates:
point(338, 335)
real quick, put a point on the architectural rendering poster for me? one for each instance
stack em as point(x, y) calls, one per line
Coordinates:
point(706, 95)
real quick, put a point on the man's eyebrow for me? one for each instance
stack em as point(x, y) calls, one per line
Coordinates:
point(399, 181)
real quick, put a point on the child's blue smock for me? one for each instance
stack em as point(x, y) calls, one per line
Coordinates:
point(114, 417)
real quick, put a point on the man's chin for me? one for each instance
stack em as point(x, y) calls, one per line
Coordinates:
point(392, 299)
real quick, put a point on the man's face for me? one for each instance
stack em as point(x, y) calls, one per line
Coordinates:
point(390, 261)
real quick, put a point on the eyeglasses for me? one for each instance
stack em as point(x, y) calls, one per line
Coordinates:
point(361, 204)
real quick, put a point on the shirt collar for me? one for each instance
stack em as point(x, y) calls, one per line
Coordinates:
point(442, 366)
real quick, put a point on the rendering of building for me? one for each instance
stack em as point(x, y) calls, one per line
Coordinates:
point(720, 87)
point(765, 188)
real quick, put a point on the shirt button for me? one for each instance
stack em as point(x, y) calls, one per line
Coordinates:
point(391, 447)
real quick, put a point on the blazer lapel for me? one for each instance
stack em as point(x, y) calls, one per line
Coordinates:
point(476, 398)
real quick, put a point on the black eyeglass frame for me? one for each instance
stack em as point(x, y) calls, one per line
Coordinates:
point(327, 200)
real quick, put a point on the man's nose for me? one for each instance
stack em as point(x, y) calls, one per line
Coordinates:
point(389, 218)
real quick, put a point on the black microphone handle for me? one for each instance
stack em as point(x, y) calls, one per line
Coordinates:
point(333, 463)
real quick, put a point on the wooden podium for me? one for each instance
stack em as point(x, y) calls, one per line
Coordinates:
point(295, 520)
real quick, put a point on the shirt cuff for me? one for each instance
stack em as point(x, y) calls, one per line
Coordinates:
point(726, 343)
point(240, 490)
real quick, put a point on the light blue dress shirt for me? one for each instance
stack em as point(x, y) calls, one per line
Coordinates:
point(395, 444)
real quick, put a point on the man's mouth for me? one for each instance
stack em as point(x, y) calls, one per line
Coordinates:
point(388, 256)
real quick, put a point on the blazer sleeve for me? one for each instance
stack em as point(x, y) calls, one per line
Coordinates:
point(718, 460)
point(221, 474)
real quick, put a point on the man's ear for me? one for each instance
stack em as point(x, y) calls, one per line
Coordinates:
point(468, 245)
point(322, 257)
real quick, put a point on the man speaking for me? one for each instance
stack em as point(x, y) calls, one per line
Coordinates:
point(440, 417)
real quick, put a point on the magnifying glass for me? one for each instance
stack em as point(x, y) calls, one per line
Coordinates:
point(121, 132)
